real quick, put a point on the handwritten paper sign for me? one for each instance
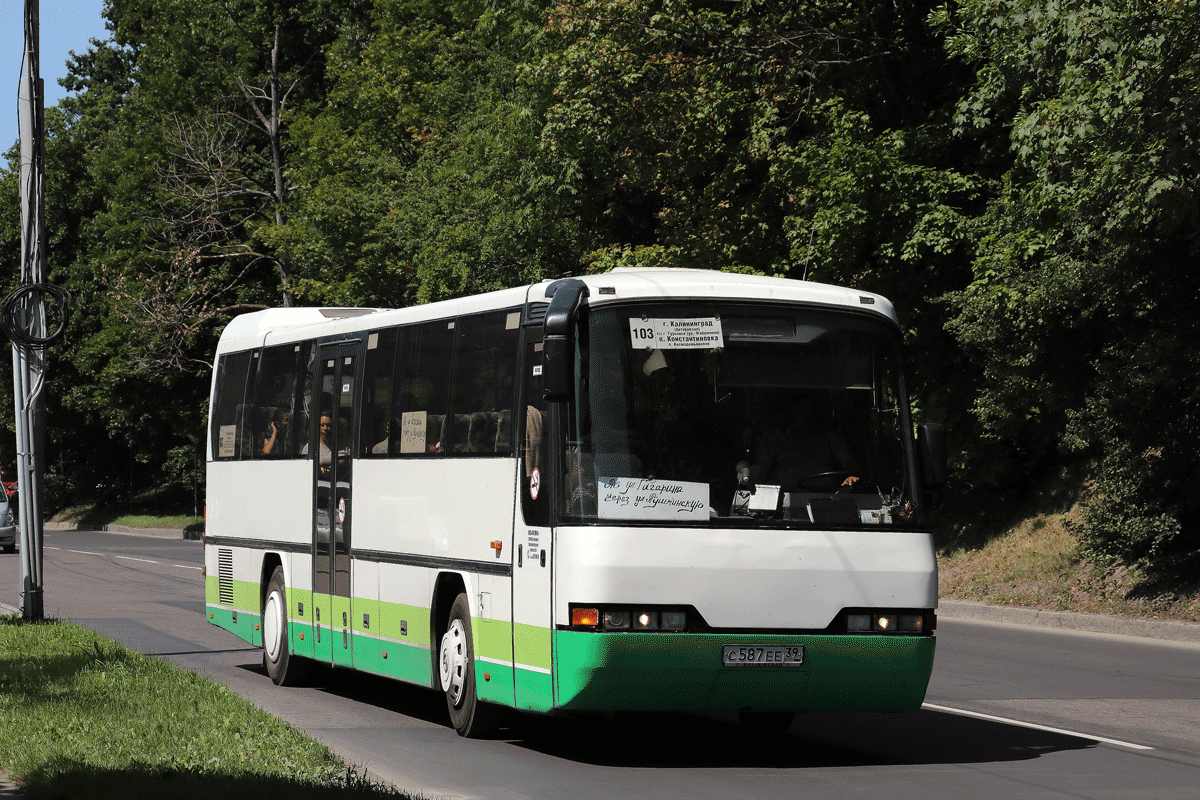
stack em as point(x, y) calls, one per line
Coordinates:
point(638, 498)
point(699, 333)
point(413, 425)
point(227, 441)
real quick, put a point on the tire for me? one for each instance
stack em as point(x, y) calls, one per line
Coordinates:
point(767, 723)
point(471, 717)
point(284, 668)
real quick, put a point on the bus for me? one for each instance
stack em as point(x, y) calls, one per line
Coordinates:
point(657, 489)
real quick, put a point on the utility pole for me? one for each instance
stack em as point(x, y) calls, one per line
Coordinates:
point(25, 321)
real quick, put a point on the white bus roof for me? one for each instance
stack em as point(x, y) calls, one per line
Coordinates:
point(621, 284)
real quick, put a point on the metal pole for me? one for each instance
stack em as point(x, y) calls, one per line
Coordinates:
point(29, 362)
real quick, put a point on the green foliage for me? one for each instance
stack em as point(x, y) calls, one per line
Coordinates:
point(1081, 308)
point(1017, 176)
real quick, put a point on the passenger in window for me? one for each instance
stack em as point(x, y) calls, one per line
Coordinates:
point(326, 455)
point(277, 442)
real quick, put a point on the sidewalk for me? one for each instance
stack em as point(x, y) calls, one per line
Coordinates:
point(1071, 620)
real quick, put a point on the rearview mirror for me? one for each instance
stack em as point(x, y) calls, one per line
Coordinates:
point(558, 340)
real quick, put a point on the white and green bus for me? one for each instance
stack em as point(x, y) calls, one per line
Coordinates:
point(641, 490)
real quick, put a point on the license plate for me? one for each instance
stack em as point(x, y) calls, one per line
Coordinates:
point(746, 655)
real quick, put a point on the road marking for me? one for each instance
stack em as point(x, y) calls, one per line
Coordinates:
point(85, 552)
point(1023, 724)
point(143, 560)
point(186, 566)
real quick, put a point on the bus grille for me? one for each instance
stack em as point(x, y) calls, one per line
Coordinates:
point(225, 576)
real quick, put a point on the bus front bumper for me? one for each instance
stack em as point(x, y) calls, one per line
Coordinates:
point(684, 672)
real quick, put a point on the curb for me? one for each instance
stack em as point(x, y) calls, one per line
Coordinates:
point(8, 789)
point(1070, 621)
point(157, 533)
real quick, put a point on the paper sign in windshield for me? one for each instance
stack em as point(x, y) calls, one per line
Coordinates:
point(676, 334)
point(640, 498)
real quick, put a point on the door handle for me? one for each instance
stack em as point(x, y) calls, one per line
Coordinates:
point(520, 554)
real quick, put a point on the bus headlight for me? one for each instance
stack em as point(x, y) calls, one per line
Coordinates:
point(646, 621)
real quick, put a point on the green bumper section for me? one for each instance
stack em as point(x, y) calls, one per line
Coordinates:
point(668, 672)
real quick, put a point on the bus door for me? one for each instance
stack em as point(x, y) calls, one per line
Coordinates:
point(333, 450)
point(533, 544)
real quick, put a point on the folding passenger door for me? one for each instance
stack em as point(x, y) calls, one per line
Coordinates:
point(332, 450)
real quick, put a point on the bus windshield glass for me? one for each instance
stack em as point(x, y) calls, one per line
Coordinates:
point(739, 415)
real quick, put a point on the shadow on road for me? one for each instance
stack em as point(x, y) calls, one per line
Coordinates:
point(66, 779)
point(816, 739)
point(686, 741)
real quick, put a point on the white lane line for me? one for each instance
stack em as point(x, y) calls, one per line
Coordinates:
point(186, 566)
point(143, 560)
point(85, 552)
point(1036, 727)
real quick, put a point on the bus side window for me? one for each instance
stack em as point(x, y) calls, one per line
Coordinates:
point(422, 388)
point(378, 428)
point(275, 402)
point(228, 423)
point(535, 483)
point(485, 365)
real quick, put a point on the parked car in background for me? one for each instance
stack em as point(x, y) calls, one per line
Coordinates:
point(8, 519)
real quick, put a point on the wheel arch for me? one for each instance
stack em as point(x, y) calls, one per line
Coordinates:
point(270, 562)
point(446, 587)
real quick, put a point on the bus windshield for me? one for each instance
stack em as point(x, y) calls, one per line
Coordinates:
point(742, 415)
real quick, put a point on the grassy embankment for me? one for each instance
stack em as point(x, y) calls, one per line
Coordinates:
point(1027, 553)
point(137, 517)
point(83, 717)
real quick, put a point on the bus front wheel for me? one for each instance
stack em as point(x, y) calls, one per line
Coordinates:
point(456, 669)
point(284, 668)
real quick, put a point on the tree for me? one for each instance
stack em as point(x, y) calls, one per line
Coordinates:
point(1080, 307)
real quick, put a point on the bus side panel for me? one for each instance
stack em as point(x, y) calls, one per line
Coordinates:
point(404, 635)
point(492, 636)
point(269, 501)
point(231, 591)
point(440, 510)
point(364, 616)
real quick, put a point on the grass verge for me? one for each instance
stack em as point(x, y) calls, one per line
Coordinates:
point(90, 515)
point(1027, 553)
point(84, 717)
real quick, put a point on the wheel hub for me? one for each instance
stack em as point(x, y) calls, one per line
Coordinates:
point(272, 626)
point(452, 663)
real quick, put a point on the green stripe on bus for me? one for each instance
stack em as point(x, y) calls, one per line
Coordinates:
point(393, 660)
point(246, 596)
point(532, 645)
point(669, 672)
point(535, 690)
point(494, 683)
point(492, 639)
point(245, 626)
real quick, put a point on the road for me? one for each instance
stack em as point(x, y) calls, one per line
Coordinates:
point(1011, 712)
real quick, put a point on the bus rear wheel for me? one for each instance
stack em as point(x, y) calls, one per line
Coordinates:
point(284, 668)
point(456, 670)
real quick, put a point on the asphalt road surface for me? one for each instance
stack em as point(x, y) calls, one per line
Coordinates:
point(1011, 712)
